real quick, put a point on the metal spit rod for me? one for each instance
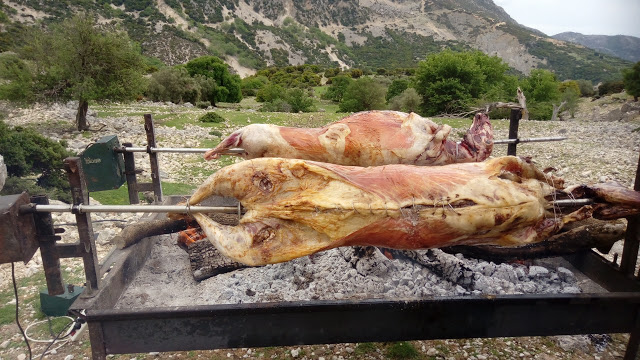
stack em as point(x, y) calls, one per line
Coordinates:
point(240, 151)
point(81, 209)
point(526, 140)
point(175, 150)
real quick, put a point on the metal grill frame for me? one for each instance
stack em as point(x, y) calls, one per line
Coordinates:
point(117, 331)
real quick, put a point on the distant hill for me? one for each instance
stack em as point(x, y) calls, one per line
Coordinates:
point(367, 34)
point(622, 46)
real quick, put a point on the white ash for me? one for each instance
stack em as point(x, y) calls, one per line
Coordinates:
point(337, 274)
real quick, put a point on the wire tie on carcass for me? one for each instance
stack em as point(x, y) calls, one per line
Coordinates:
point(188, 208)
point(386, 210)
point(354, 207)
point(370, 210)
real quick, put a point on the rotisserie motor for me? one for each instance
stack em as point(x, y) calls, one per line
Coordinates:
point(368, 138)
point(297, 207)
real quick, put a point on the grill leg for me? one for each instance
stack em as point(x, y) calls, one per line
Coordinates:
point(634, 340)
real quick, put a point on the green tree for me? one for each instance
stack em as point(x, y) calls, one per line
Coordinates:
point(449, 81)
point(632, 81)
point(542, 90)
point(396, 88)
point(363, 94)
point(336, 90)
point(269, 93)
point(173, 84)
point(82, 61)
point(228, 88)
point(570, 97)
point(299, 100)
point(251, 84)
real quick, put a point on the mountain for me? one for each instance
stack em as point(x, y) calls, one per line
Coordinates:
point(622, 46)
point(369, 34)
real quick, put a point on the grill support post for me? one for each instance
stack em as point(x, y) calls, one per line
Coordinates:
point(153, 158)
point(80, 195)
point(130, 174)
point(48, 250)
point(514, 123)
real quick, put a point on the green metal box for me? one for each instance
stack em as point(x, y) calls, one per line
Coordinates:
point(103, 167)
point(58, 305)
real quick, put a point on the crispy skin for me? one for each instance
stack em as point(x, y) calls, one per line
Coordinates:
point(370, 138)
point(298, 207)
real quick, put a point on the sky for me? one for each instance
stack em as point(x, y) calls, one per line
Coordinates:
point(589, 17)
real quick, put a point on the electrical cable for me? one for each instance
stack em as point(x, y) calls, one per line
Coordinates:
point(15, 293)
point(58, 337)
point(26, 331)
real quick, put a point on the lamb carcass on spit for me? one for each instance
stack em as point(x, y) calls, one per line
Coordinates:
point(297, 207)
point(368, 138)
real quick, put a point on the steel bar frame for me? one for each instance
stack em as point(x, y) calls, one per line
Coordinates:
point(153, 158)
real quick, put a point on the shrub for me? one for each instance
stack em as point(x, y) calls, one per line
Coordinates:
point(217, 133)
point(408, 101)
point(211, 117)
point(277, 105)
point(610, 87)
point(402, 350)
point(203, 104)
point(28, 154)
point(269, 93)
point(586, 87)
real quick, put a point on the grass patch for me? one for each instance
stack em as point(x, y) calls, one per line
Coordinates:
point(178, 121)
point(365, 348)
point(7, 314)
point(402, 350)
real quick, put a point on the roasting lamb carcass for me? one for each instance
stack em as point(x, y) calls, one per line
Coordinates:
point(370, 138)
point(297, 207)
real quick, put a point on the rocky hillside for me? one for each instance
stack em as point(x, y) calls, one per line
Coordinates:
point(622, 46)
point(371, 34)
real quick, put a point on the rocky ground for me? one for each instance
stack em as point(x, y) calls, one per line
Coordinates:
point(603, 144)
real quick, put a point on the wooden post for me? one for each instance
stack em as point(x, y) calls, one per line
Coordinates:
point(80, 195)
point(153, 158)
point(48, 250)
point(130, 174)
point(514, 122)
